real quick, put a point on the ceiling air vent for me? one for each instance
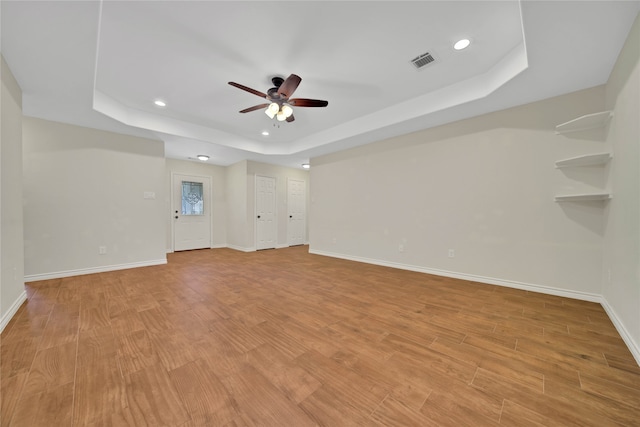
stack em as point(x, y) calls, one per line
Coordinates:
point(422, 60)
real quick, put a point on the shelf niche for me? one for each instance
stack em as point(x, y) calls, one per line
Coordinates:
point(586, 160)
point(586, 122)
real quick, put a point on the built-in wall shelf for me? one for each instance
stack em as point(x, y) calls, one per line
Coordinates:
point(586, 122)
point(590, 197)
point(586, 160)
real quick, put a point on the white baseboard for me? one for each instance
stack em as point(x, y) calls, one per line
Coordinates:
point(92, 270)
point(241, 248)
point(585, 296)
point(216, 246)
point(6, 318)
point(253, 249)
point(633, 346)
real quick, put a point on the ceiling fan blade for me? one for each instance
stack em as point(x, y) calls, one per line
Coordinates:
point(248, 89)
point(304, 102)
point(287, 88)
point(254, 108)
point(290, 118)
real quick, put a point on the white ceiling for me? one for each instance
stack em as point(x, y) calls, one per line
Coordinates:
point(102, 64)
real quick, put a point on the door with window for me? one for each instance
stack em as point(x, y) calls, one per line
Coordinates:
point(265, 212)
point(191, 212)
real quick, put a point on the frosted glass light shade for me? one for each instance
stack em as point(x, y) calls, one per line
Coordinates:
point(287, 110)
point(272, 110)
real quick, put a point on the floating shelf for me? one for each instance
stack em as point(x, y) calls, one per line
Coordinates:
point(586, 122)
point(586, 160)
point(583, 197)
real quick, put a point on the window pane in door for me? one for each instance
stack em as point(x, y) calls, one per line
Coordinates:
point(192, 198)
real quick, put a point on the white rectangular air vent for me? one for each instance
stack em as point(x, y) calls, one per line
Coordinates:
point(422, 60)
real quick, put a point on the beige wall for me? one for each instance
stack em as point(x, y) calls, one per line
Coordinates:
point(237, 219)
point(483, 187)
point(621, 275)
point(11, 222)
point(84, 188)
point(217, 174)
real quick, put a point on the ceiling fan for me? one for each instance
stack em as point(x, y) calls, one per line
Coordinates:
point(280, 103)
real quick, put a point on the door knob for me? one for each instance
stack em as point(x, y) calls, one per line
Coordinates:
point(176, 216)
point(258, 216)
point(290, 216)
point(176, 211)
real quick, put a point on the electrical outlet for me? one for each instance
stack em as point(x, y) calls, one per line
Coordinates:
point(333, 240)
point(401, 248)
point(452, 253)
point(102, 250)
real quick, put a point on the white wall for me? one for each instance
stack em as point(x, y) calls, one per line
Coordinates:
point(281, 175)
point(11, 224)
point(621, 265)
point(483, 186)
point(84, 188)
point(237, 220)
point(217, 174)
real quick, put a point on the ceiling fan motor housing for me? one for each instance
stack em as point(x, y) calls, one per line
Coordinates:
point(273, 93)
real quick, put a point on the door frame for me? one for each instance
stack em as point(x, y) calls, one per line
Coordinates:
point(255, 210)
point(172, 208)
point(304, 182)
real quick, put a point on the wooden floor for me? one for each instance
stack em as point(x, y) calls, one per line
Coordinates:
point(285, 338)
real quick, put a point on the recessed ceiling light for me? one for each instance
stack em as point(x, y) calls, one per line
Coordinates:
point(160, 103)
point(461, 44)
point(203, 157)
point(265, 133)
point(306, 165)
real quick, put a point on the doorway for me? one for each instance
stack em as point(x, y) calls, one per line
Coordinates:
point(296, 212)
point(265, 212)
point(191, 212)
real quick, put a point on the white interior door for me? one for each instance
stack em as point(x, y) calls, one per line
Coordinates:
point(265, 212)
point(191, 212)
point(297, 212)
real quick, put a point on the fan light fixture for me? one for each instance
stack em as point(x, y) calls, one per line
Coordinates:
point(280, 105)
point(203, 157)
point(281, 113)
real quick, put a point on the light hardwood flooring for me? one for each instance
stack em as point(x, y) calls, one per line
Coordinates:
point(286, 338)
